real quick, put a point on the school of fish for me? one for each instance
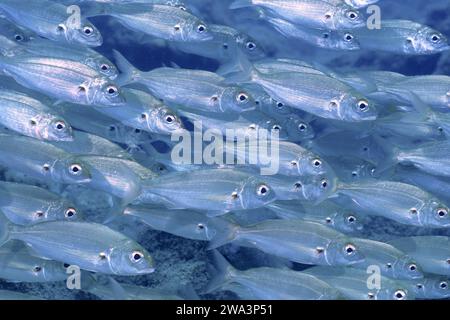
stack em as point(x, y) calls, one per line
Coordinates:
point(87, 139)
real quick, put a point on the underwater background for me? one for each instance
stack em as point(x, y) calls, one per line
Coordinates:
point(183, 262)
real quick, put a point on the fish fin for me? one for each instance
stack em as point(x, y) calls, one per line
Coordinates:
point(239, 70)
point(117, 289)
point(174, 65)
point(224, 236)
point(391, 159)
point(129, 74)
point(5, 228)
point(223, 272)
point(237, 4)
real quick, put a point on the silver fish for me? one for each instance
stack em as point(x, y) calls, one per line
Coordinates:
point(27, 205)
point(51, 20)
point(90, 246)
point(30, 117)
point(270, 283)
point(297, 240)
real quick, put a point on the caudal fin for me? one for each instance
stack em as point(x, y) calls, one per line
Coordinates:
point(239, 70)
point(129, 74)
point(223, 272)
point(5, 226)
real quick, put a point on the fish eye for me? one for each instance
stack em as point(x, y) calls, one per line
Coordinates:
point(276, 127)
point(334, 104)
point(102, 255)
point(317, 163)
point(297, 185)
point(280, 105)
point(388, 265)
point(70, 212)
point(200, 226)
point(234, 195)
point(112, 128)
point(61, 28)
point(399, 294)
point(225, 46)
point(348, 37)
point(201, 28)
point(443, 285)
point(88, 30)
point(177, 28)
point(46, 167)
point(39, 214)
point(182, 8)
point(112, 90)
point(324, 183)
point(242, 97)
point(370, 295)
point(351, 219)
point(419, 286)
point(352, 15)
point(435, 38)
point(350, 249)
point(413, 211)
point(294, 163)
point(448, 261)
point(262, 190)
point(33, 122)
point(252, 126)
point(412, 267)
point(328, 16)
point(363, 105)
point(75, 169)
point(250, 46)
point(37, 269)
point(325, 35)
point(136, 256)
point(104, 67)
point(328, 220)
point(66, 265)
point(18, 37)
point(137, 131)
point(302, 127)
point(169, 118)
point(442, 212)
point(60, 125)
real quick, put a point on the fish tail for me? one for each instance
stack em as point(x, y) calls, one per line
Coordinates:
point(129, 74)
point(237, 4)
point(226, 235)
point(393, 157)
point(5, 228)
point(223, 272)
point(239, 70)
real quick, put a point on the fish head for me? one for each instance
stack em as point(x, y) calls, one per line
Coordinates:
point(236, 99)
point(87, 34)
point(71, 170)
point(105, 93)
point(193, 30)
point(344, 41)
point(312, 165)
point(130, 258)
point(58, 130)
point(256, 193)
point(299, 129)
point(434, 214)
point(271, 126)
point(162, 120)
point(397, 292)
point(346, 17)
point(433, 287)
point(317, 188)
point(346, 222)
point(248, 46)
point(106, 68)
point(427, 40)
point(343, 252)
point(406, 268)
point(355, 108)
point(51, 270)
point(63, 211)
